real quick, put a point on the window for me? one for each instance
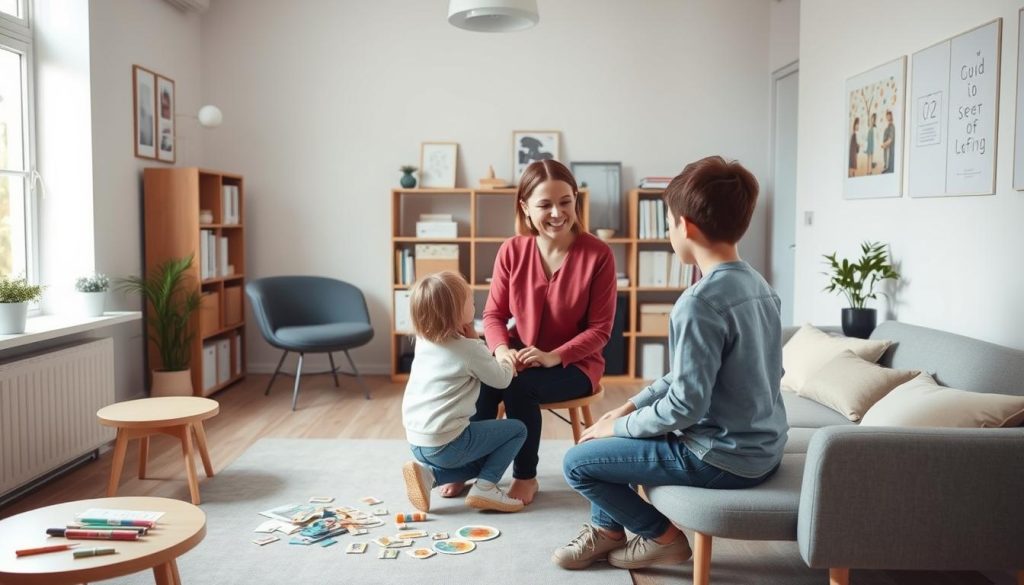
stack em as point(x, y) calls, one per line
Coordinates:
point(16, 142)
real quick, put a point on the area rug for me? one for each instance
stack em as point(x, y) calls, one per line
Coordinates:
point(275, 472)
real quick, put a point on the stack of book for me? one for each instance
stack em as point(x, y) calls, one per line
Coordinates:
point(652, 220)
point(213, 255)
point(661, 268)
point(436, 226)
point(404, 266)
point(230, 212)
point(655, 182)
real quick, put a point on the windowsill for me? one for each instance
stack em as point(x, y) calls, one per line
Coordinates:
point(45, 327)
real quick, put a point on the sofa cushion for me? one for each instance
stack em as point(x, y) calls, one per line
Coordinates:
point(764, 512)
point(798, 438)
point(804, 412)
point(851, 385)
point(921, 402)
point(810, 348)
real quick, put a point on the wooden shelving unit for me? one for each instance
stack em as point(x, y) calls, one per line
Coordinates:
point(173, 199)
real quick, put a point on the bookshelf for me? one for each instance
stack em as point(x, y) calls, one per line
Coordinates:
point(173, 198)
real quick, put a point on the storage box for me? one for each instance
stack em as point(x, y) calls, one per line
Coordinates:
point(433, 258)
point(654, 318)
point(437, 229)
point(209, 313)
point(232, 305)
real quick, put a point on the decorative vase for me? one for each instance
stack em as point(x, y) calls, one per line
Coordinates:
point(171, 383)
point(92, 304)
point(408, 181)
point(859, 322)
point(12, 318)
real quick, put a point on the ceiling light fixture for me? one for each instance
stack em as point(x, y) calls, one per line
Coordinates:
point(493, 15)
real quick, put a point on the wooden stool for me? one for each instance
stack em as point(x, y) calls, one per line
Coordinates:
point(177, 416)
point(578, 408)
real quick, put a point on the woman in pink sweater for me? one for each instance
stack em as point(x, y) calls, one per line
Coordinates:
point(558, 282)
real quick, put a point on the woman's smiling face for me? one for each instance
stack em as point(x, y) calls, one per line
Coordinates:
point(551, 208)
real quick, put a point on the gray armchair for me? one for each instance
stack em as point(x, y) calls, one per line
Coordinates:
point(310, 314)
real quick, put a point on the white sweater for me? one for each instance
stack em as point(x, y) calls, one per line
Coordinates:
point(443, 387)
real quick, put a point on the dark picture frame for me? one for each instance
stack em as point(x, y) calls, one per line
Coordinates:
point(604, 181)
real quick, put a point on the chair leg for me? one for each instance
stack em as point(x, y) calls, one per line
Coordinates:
point(334, 369)
point(701, 559)
point(577, 428)
point(298, 376)
point(1020, 577)
point(276, 370)
point(366, 391)
point(588, 416)
point(839, 576)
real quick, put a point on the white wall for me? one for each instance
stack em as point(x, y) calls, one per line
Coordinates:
point(323, 101)
point(784, 33)
point(959, 255)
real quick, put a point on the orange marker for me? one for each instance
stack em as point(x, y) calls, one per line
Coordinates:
point(414, 517)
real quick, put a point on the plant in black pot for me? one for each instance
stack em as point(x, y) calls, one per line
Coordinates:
point(857, 280)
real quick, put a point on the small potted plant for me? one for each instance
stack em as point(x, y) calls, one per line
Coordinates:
point(408, 181)
point(15, 295)
point(171, 303)
point(92, 290)
point(857, 280)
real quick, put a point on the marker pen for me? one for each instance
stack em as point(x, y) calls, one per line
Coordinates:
point(116, 522)
point(77, 533)
point(93, 552)
point(140, 529)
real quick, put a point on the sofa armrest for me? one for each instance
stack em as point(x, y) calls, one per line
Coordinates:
point(896, 498)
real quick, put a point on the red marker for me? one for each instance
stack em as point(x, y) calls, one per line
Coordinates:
point(76, 533)
point(44, 549)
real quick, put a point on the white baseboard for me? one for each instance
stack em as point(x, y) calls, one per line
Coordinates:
point(289, 367)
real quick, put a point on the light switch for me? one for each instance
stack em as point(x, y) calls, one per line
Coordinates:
point(808, 218)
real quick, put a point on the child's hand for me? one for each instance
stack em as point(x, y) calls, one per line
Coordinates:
point(509, 359)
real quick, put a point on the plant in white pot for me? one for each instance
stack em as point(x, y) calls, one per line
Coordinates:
point(15, 295)
point(170, 301)
point(92, 294)
point(856, 280)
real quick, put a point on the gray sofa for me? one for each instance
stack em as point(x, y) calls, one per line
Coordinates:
point(883, 497)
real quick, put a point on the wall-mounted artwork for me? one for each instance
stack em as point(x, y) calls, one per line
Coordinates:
point(144, 100)
point(532, 145)
point(1018, 138)
point(874, 132)
point(166, 138)
point(954, 105)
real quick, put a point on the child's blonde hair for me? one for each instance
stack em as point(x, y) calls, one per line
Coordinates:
point(436, 304)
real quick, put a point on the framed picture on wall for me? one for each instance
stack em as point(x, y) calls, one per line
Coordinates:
point(874, 132)
point(532, 145)
point(144, 100)
point(604, 179)
point(437, 164)
point(166, 150)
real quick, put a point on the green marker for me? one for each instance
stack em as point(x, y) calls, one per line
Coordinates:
point(93, 552)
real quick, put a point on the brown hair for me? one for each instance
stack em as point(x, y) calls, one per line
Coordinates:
point(535, 174)
point(717, 195)
point(436, 303)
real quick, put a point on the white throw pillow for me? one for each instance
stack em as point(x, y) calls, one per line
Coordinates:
point(850, 385)
point(921, 402)
point(811, 348)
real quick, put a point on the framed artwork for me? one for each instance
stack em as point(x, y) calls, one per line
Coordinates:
point(532, 145)
point(166, 137)
point(437, 164)
point(604, 180)
point(1018, 123)
point(144, 90)
point(874, 132)
point(954, 115)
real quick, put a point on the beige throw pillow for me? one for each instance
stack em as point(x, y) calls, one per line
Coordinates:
point(810, 348)
point(850, 385)
point(921, 402)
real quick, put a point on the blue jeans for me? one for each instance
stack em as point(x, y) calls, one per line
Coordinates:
point(484, 451)
point(604, 471)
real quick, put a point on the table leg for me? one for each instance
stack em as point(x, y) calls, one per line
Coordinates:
point(143, 456)
point(190, 466)
point(164, 575)
point(117, 462)
point(204, 452)
point(174, 571)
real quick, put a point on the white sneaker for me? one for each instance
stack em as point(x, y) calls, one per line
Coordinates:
point(492, 499)
point(419, 480)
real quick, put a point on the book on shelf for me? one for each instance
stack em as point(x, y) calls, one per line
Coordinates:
point(436, 225)
point(652, 357)
point(403, 322)
point(655, 182)
point(229, 205)
point(209, 365)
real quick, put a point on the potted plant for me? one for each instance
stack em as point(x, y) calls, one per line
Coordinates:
point(92, 292)
point(408, 181)
point(15, 295)
point(171, 303)
point(857, 281)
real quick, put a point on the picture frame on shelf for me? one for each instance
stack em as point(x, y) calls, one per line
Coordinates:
point(604, 180)
point(437, 164)
point(144, 110)
point(532, 145)
point(874, 153)
point(166, 137)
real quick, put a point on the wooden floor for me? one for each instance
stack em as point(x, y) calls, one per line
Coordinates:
point(327, 412)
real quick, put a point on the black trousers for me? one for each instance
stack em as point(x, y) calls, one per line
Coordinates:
point(523, 398)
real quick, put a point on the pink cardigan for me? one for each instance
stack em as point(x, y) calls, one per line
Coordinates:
point(571, 313)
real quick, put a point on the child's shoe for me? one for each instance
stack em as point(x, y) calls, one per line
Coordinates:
point(490, 497)
point(419, 480)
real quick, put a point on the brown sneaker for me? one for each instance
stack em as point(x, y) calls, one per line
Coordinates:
point(589, 545)
point(641, 552)
point(419, 480)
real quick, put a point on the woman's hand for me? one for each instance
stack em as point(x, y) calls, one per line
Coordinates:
point(531, 357)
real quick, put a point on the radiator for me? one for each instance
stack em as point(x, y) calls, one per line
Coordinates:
point(48, 405)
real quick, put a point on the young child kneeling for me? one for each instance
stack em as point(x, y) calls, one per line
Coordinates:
point(450, 363)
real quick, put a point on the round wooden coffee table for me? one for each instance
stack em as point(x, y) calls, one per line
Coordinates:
point(177, 416)
point(180, 529)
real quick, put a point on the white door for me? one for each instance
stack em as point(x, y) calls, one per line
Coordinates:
point(785, 84)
